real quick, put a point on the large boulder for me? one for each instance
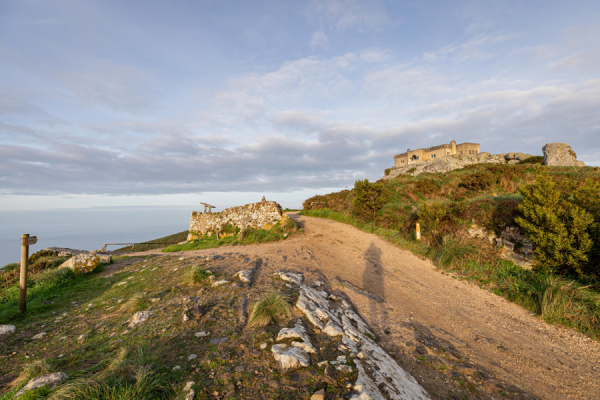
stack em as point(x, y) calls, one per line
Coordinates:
point(50, 380)
point(82, 263)
point(560, 155)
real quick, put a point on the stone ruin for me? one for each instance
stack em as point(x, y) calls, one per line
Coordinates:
point(261, 215)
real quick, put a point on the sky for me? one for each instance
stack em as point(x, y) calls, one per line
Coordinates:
point(143, 102)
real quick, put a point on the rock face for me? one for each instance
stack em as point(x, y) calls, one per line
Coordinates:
point(290, 357)
point(7, 329)
point(65, 252)
point(444, 164)
point(82, 263)
point(560, 155)
point(50, 380)
point(261, 215)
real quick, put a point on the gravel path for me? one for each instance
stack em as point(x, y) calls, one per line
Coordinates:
point(501, 338)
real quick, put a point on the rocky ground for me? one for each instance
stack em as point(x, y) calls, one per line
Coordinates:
point(389, 326)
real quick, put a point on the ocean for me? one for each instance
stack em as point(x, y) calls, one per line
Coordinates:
point(88, 228)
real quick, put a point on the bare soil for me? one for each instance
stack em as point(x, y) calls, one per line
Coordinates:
point(489, 347)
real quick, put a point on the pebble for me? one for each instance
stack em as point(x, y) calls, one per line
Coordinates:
point(192, 357)
point(188, 386)
point(176, 368)
point(201, 334)
point(219, 340)
point(81, 339)
point(318, 395)
point(39, 335)
point(263, 346)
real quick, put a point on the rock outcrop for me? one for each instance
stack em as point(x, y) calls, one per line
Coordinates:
point(444, 164)
point(49, 380)
point(261, 215)
point(560, 155)
point(82, 263)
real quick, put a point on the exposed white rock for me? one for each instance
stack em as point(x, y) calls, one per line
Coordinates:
point(219, 283)
point(176, 368)
point(7, 329)
point(290, 357)
point(192, 357)
point(191, 394)
point(297, 332)
point(379, 373)
point(39, 335)
point(188, 386)
point(138, 318)
point(201, 334)
point(290, 277)
point(344, 368)
point(50, 380)
point(244, 276)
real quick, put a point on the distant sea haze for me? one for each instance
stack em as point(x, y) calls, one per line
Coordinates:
point(88, 228)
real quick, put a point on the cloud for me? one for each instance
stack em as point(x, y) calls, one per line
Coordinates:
point(319, 38)
point(343, 15)
point(589, 61)
point(474, 49)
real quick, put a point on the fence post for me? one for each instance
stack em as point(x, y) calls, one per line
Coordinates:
point(418, 236)
point(23, 277)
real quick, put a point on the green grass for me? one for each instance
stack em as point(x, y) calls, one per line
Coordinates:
point(174, 238)
point(196, 275)
point(271, 308)
point(246, 236)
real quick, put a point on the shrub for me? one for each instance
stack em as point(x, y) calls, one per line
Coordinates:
point(196, 275)
point(244, 232)
point(387, 171)
point(478, 181)
point(30, 371)
point(532, 160)
point(272, 308)
point(559, 228)
point(432, 218)
point(368, 199)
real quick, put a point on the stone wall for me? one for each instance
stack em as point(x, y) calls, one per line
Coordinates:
point(262, 215)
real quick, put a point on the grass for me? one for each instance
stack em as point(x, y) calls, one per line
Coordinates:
point(9, 274)
point(246, 236)
point(174, 238)
point(272, 308)
point(130, 375)
point(196, 275)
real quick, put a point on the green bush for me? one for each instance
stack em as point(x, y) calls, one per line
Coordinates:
point(532, 160)
point(368, 199)
point(478, 181)
point(387, 171)
point(561, 230)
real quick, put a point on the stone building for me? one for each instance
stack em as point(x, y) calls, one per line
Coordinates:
point(420, 155)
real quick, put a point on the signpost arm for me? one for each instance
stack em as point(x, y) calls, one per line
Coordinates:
point(23, 277)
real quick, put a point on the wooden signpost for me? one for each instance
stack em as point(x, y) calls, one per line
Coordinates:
point(26, 241)
point(418, 232)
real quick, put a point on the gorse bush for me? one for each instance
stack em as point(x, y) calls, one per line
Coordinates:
point(368, 199)
point(555, 219)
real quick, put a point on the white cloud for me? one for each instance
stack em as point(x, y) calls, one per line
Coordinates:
point(474, 49)
point(343, 15)
point(319, 38)
point(580, 61)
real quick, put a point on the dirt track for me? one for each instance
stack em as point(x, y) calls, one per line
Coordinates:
point(501, 338)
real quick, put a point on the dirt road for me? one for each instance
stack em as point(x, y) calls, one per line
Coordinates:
point(502, 343)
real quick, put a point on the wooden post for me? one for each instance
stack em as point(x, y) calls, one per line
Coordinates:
point(23, 277)
point(418, 231)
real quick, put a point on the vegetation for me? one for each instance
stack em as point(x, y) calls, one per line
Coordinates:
point(130, 375)
point(38, 262)
point(557, 208)
point(272, 308)
point(236, 236)
point(196, 275)
point(175, 238)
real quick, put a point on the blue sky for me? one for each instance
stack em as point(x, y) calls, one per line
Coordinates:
point(170, 103)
